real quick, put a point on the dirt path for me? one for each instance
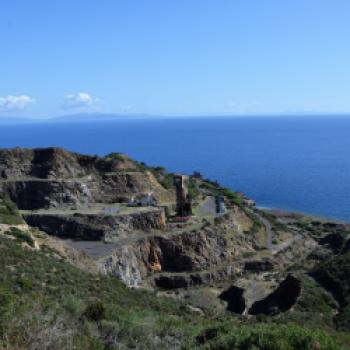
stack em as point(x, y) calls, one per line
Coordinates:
point(275, 248)
point(207, 207)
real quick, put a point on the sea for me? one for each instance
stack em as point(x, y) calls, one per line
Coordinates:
point(291, 163)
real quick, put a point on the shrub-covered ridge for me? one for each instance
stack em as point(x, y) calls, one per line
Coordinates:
point(46, 303)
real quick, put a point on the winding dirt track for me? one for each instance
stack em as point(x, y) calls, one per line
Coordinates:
point(275, 248)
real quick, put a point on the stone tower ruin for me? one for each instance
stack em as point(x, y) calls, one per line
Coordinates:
point(183, 201)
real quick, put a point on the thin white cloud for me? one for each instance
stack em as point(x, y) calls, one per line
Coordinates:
point(15, 103)
point(79, 100)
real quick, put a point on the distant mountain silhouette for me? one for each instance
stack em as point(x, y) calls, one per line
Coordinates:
point(80, 117)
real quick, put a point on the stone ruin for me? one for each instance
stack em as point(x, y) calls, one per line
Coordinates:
point(143, 199)
point(220, 207)
point(183, 201)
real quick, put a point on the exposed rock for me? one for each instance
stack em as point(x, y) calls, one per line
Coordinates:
point(281, 300)
point(265, 264)
point(194, 310)
point(186, 252)
point(36, 194)
point(96, 226)
point(235, 299)
point(51, 163)
point(125, 267)
point(172, 282)
point(53, 177)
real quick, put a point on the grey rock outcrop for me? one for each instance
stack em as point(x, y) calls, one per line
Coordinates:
point(53, 177)
point(91, 227)
point(188, 252)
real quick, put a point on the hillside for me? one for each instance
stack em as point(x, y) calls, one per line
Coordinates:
point(46, 303)
point(95, 254)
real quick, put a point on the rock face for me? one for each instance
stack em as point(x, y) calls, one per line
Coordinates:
point(52, 163)
point(266, 264)
point(195, 279)
point(92, 227)
point(234, 298)
point(188, 252)
point(281, 300)
point(53, 177)
point(36, 194)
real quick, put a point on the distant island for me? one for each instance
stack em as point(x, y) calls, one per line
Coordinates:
point(78, 117)
point(99, 116)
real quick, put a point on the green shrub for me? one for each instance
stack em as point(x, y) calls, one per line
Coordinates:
point(25, 283)
point(96, 311)
point(9, 214)
point(233, 197)
point(117, 156)
point(72, 304)
point(5, 300)
point(209, 185)
point(166, 181)
point(266, 337)
point(193, 190)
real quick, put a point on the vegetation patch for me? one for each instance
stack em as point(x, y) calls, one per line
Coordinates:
point(20, 236)
point(9, 214)
point(232, 196)
point(49, 304)
point(257, 224)
point(265, 337)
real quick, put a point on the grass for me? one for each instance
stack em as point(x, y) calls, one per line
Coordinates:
point(20, 235)
point(257, 224)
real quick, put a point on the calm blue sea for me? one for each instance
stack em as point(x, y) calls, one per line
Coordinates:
point(300, 163)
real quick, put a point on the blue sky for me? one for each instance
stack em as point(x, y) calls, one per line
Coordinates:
point(174, 57)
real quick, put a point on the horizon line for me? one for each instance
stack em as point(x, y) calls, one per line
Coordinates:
point(111, 115)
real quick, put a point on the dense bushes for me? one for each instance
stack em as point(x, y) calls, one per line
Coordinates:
point(266, 337)
point(95, 311)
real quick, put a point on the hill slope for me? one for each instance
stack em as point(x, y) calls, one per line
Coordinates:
point(47, 303)
point(242, 279)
